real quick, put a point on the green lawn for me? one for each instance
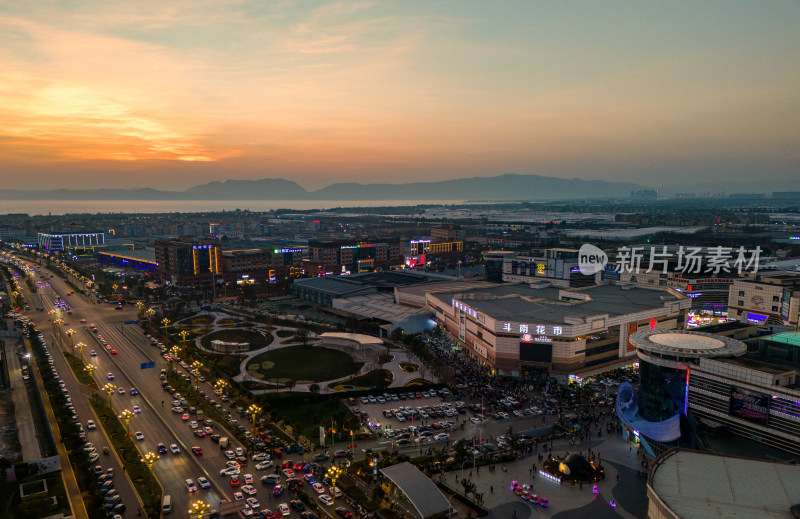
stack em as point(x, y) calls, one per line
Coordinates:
point(307, 412)
point(255, 339)
point(285, 333)
point(297, 363)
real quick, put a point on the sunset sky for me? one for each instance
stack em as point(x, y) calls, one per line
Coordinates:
point(173, 94)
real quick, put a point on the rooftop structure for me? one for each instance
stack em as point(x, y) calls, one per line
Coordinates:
point(697, 485)
point(424, 496)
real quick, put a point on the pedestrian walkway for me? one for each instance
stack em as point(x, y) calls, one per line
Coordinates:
point(23, 414)
point(617, 458)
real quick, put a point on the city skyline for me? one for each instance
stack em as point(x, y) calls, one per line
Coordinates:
point(170, 96)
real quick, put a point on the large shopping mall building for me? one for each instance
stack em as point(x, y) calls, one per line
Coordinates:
point(531, 330)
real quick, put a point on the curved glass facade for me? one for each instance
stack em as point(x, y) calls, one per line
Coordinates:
point(662, 391)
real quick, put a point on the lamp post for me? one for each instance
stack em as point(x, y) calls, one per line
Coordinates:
point(110, 389)
point(333, 473)
point(174, 351)
point(57, 330)
point(70, 333)
point(198, 509)
point(196, 365)
point(89, 368)
point(140, 306)
point(80, 347)
point(149, 313)
point(183, 335)
point(126, 416)
point(254, 411)
point(165, 322)
point(220, 386)
point(150, 459)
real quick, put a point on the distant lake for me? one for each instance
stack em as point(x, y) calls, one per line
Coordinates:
point(57, 207)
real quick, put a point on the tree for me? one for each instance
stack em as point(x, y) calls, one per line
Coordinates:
point(461, 450)
point(515, 442)
point(314, 389)
point(469, 487)
point(302, 335)
point(397, 334)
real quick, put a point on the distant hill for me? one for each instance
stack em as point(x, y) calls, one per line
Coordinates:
point(503, 187)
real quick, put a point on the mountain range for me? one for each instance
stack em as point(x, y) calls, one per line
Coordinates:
point(503, 187)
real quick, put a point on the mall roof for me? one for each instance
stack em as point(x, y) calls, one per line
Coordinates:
point(421, 491)
point(700, 485)
point(792, 338)
point(520, 302)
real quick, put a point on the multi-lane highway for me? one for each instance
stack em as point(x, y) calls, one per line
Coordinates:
point(156, 422)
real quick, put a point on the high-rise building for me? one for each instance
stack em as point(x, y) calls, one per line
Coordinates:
point(188, 262)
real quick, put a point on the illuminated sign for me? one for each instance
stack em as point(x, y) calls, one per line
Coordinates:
point(526, 338)
point(464, 308)
point(538, 329)
point(287, 251)
point(756, 318)
point(202, 246)
point(359, 246)
point(542, 338)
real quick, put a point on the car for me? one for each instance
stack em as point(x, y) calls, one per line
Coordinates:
point(247, 511)
point(136, 409)
point(278, 490)
point(110, 376)
point(250, 490)
point(113, 351)
point(177, 409)
point(185, 417)
point(310, 479)
point(284, 509)
point(289, 473)
point(93, 353)
point(238, 496)
point(475, 420)
point(287, 464)
point(340, 454)
point(248, 479)
point(308, 515)
point(321, 457)
point(253, 502)
point(318, 487)
point(297, 505)
point(335, 491)
point(93, 457)
point(272, 479)
point(162, 449)
point(208, 430)
point(90, 424)
point(197, 451)
point(193, 424)
point(230, 471)
point(199, 433)
point(138, 435)
point(98, 470)
point(203, 482)
point(344, 513)
point(190, 486)
point(215, 438)
point(264, 465)
point(230, 455)
point(134, 391)
point(174, 448)
point(326, 499)
point(441, 437)
point(261, 456)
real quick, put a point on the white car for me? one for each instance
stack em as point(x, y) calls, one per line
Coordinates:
point(190, 486)
point(261, 456)
point(174, 448)
point(248, 479)
point(250, 490)
point(326, 499)
point(441, 437)
point(230, 455)
point(136, 409)
point(284, 508)
point(138, 435)
point(230, 471)
point(253, 502)
point(264, 465)
point(90, 424)
point(203, 482)
point(318, 487)
point(193, 424)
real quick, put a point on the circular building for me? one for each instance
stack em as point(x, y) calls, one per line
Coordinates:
point(655, 412)
point(355, 341)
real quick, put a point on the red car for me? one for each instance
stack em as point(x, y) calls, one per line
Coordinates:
point(234, 481)
point(113, 352)
point(286, 464)
point(197, 451)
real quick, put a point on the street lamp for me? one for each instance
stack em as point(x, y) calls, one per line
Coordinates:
point(333, 474)
point(149, 313)
point(183, 335)
point(89, 368)
point(80, 347)
point(254, 411)
point(149, 459)
point(174, 351)
point(196, 365)
point(57, 331)
point(126, 416)
point(198, 509)
point(110, 389)
point(165, 322)
point(140, 306)
point(70, 333)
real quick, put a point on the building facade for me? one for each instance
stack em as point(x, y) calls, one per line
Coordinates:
point(337, 257)
point(188, 262)
point(532, 331)
point(768, 298)
point(261, 265)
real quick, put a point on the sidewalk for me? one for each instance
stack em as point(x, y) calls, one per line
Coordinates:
point(23, 414)
point(70, 483)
